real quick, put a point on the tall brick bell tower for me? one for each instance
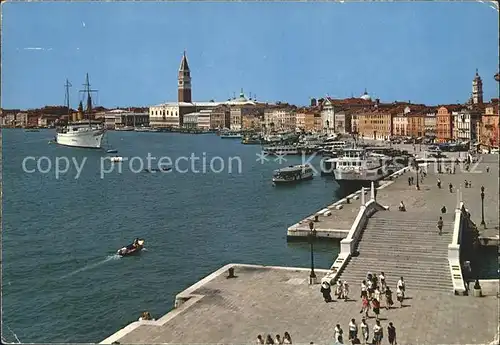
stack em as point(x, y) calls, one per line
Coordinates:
point(184, 81)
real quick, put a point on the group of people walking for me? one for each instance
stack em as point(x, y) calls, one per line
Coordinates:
point(341, 291)
point(378, 333)
point(373, 289)
point(286, 339)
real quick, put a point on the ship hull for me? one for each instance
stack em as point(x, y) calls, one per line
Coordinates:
point(85, 139)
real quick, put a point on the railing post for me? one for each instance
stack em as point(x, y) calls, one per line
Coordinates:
point(458, 199)
point(362, 196)
point(372, 191)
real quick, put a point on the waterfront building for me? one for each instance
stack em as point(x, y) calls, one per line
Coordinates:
point(400, 121)
point(430, 122)
point(280, 118)
point(465, 122)
point(444, 122)
point(252, 120)
point(47, 120)
point(125, 118)
point(342, 121)
point(318, 123)
point(375, 124)
point(191, 120)
point(340, 110)
point(305, 119)
point(220, 117)
point(416, 124)
point(488, 130)
point(355, 122)
point(328, 116)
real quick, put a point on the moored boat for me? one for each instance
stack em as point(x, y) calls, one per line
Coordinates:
point(360, 165)
point(230, 135)
point(293, 174)
point(281, 150)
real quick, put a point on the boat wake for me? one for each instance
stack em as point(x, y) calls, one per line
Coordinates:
point(94, 265)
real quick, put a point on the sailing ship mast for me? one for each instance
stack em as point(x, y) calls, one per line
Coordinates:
point(87, 91)
point(66, 98)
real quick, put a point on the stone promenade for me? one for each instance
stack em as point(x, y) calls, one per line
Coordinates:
point(265, 300)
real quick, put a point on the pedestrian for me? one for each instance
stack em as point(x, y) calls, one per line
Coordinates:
point(260, 340)
point(287, 339)
point(450, 187)
point(363, 289)
point(369, 288)
point(365, 305)
point(388, 299)
point(400, 292)
point(378, 333)
point(345, 291)
point(412, 180)
point(383, 284)
point(326, 291)
point(353, 331)
point(338, 334)
point(443, 209)
point(391, 334)
point(440, 225)
point(269, 340)
point(487, 169)
point(278, 340)
point(376, 294)
point(439, 183)
point(338, 289)
point(466, 184)
point(376, 307)
point(409, 181)
point(365, 332)
point(470, 184)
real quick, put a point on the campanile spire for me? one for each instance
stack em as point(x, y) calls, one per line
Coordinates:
point(184, 81)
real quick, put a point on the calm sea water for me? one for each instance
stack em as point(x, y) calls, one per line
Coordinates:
point(61, 281)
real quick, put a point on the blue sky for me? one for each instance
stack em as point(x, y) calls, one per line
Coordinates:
point(423, 52)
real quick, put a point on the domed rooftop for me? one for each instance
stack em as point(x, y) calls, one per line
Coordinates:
point(242, 98)
point(366, 96)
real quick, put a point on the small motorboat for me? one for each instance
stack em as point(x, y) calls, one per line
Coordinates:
point(116, 159)
point(112, 151)
point(131, 249)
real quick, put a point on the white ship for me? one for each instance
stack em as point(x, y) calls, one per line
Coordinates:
point(293, 174)
point(359, 165)
point(84, 133)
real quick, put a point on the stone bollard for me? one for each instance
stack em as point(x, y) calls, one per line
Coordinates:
point(316, 218)
point(230, 272)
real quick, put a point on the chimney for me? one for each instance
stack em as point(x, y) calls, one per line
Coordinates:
point(313, 102)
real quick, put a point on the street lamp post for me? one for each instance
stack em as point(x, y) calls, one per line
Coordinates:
point(312, 236)
point(416, 169)
point(482, 208)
